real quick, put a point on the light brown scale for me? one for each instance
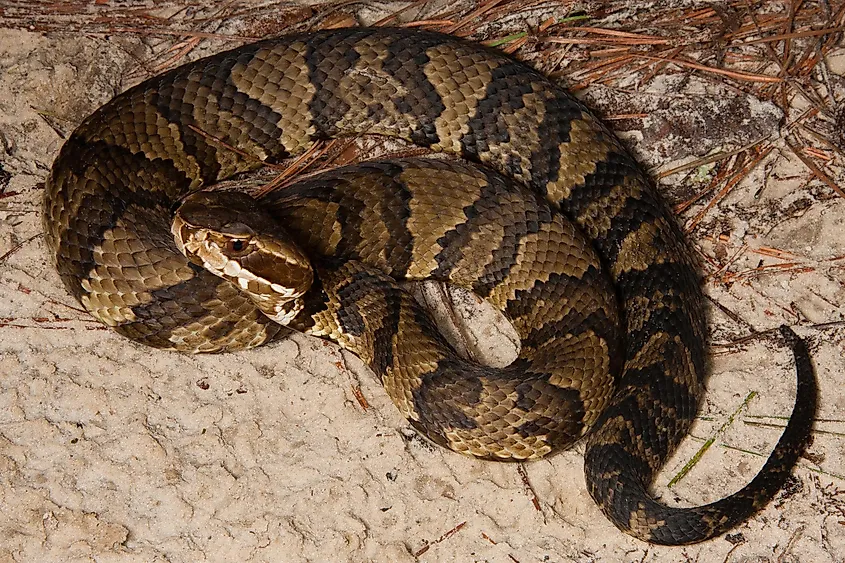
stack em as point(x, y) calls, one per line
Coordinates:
point(461, 84)
point(436, 212)
point(278, 78)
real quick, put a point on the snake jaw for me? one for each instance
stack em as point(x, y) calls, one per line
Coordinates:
point(280, 311)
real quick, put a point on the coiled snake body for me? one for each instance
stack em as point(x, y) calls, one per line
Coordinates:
point(610, 318)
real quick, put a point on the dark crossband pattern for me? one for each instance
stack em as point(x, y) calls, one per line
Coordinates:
point(110, 193)
point(499, 241)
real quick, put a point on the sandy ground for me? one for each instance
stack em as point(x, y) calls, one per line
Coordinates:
point(110, 451)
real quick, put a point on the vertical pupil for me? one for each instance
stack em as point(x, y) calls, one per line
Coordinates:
point(238, 245)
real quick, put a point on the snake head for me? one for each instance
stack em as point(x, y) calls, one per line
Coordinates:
point(228, 234)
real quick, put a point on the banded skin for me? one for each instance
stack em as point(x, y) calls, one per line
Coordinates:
point(365, 227)
point(110, 192)
point(428, 219)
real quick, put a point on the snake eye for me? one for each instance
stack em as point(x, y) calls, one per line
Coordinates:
point(237, 246)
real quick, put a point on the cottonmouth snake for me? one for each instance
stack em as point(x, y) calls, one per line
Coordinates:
point(631, 381)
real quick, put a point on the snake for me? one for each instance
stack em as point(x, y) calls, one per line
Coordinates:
point(540, 211)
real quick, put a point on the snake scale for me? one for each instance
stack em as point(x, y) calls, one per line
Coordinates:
point(560, 230)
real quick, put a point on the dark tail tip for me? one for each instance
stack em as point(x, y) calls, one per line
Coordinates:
point(615, 476)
